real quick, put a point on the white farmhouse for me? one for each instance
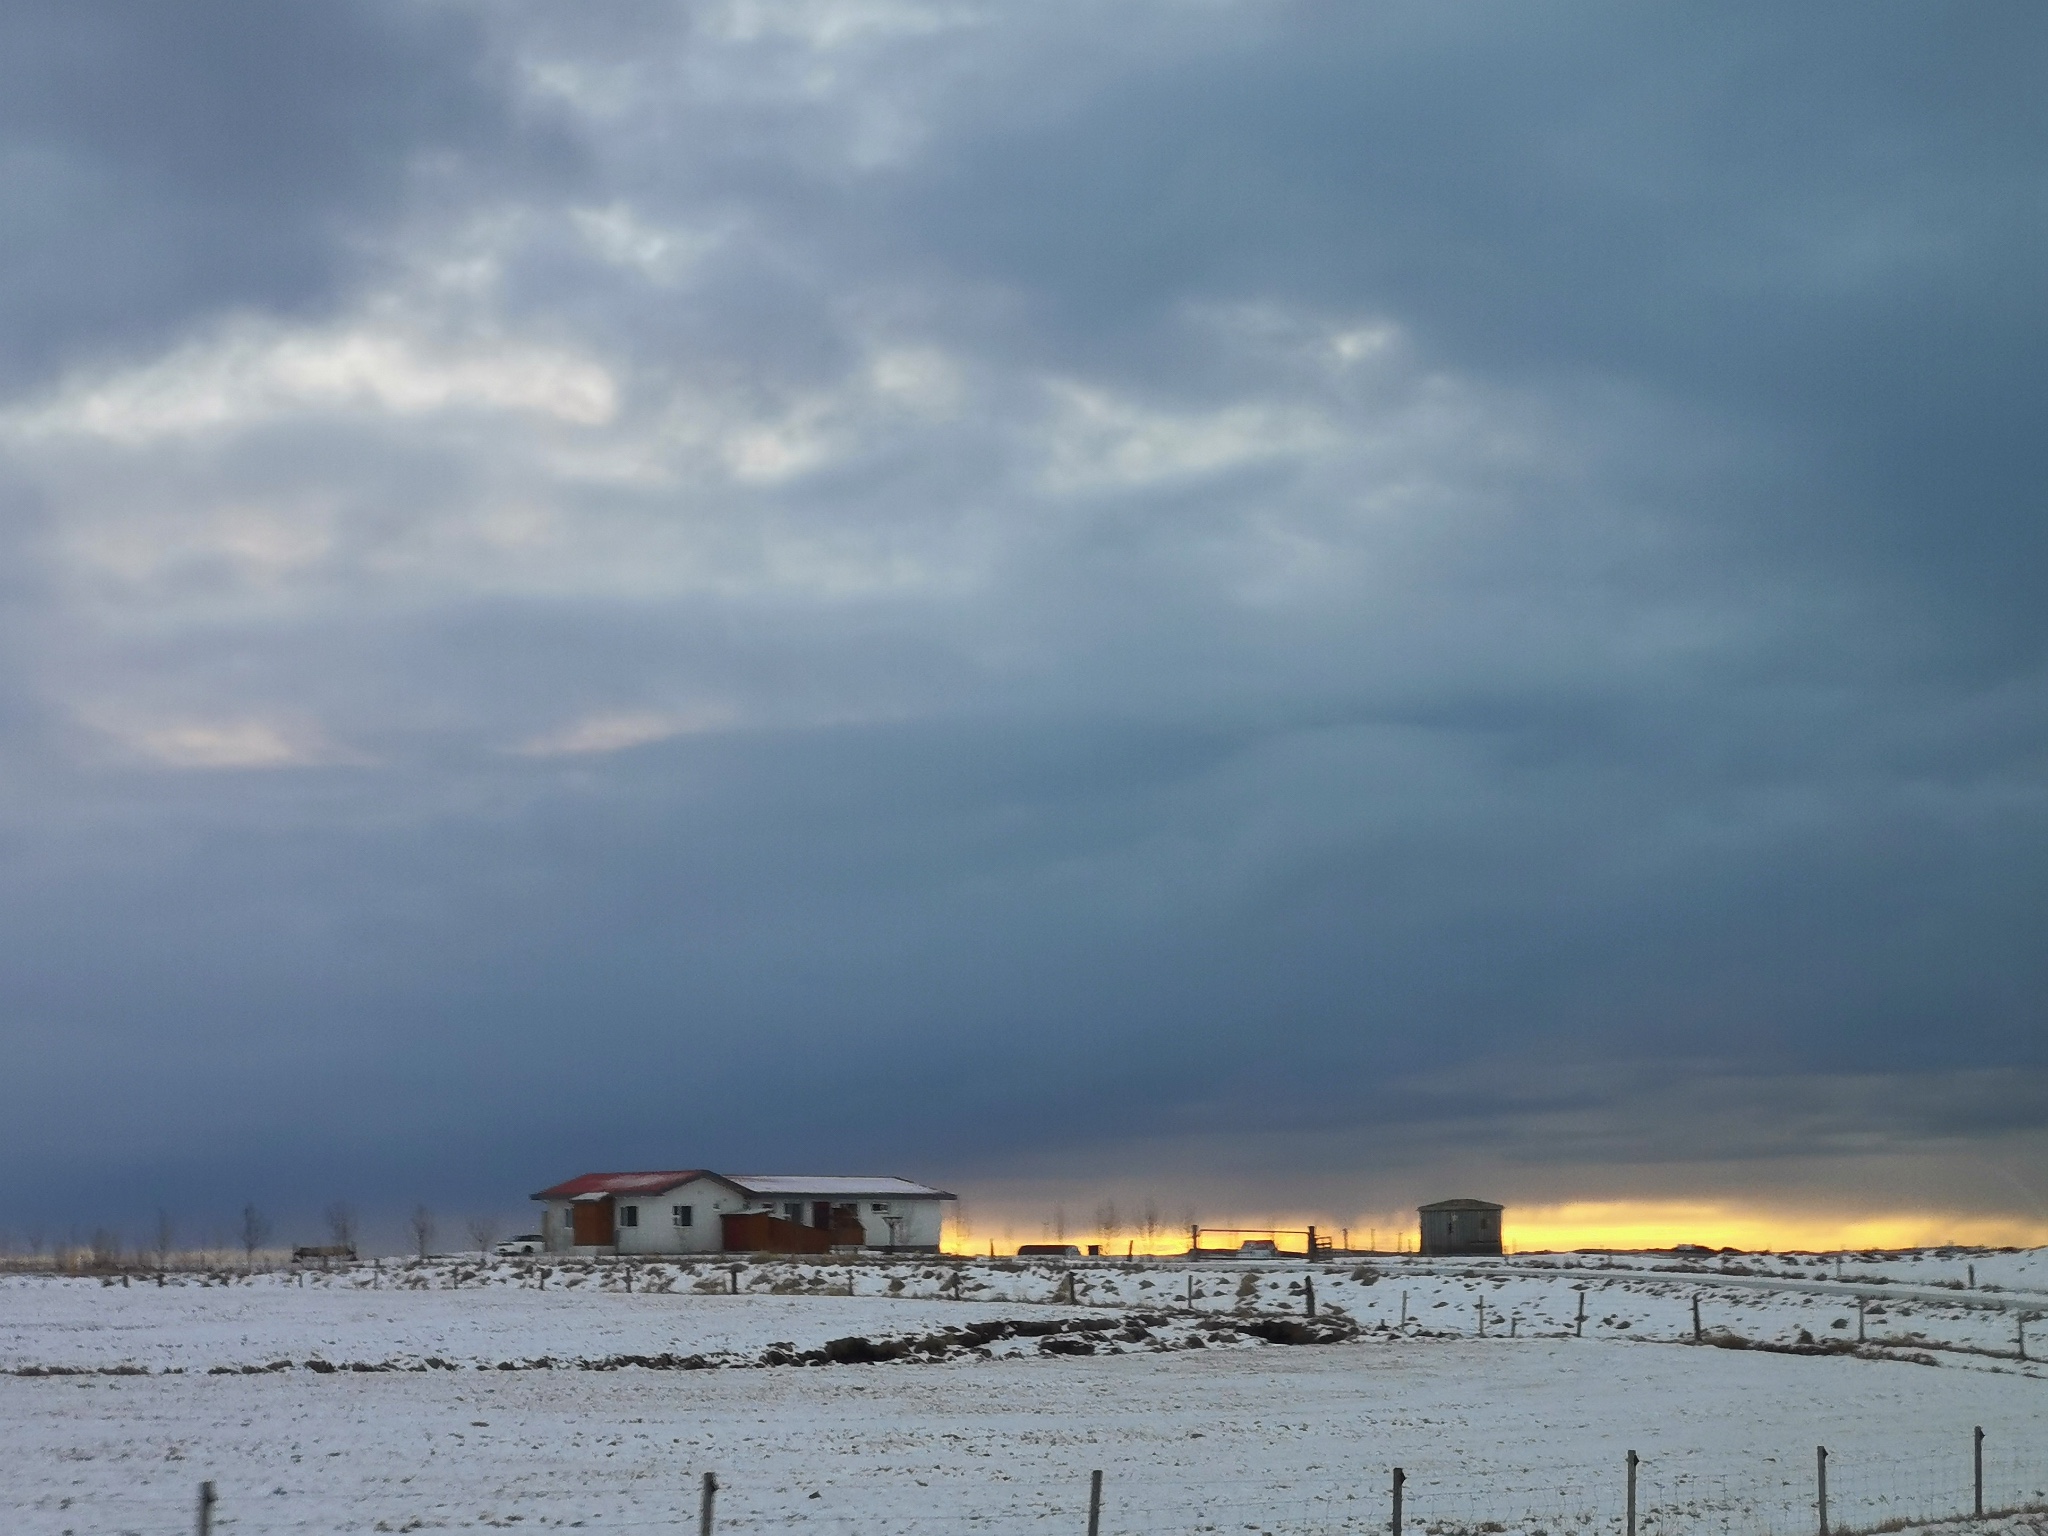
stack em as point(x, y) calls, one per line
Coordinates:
point(693, 1210)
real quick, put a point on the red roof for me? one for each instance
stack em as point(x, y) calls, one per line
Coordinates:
point(625, 1183)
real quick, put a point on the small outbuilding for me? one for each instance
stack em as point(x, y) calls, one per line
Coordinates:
point(1461, 1227)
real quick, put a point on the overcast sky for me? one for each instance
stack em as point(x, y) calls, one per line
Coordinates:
point(1301, 606)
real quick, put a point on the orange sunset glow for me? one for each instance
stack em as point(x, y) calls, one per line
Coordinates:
point(1618, 1224)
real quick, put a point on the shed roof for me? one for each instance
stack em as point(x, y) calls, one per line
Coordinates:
point(627, 1183)
point(1462, 1205)
point(812, 1184)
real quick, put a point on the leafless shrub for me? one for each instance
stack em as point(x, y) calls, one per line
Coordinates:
point(341, 1224)
point(483, 1231)
point(164, 1235)
point(422, 1230)
point(255, 1231)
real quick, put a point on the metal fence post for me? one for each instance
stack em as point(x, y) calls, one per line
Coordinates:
point(206, 1502)
point(1400, 1477)
point(1094, 1502)
point(705, 1502)
point(1632, 1460)
point(1977, 1469)
point(1820, 1461)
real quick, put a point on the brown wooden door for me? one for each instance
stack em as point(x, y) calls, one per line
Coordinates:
point(593, 1223)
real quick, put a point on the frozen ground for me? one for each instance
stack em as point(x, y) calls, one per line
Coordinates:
point(1527, 1432)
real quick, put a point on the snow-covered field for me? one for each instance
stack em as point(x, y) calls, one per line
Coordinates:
point(455, 1396)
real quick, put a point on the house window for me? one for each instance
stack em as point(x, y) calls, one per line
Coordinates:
point(879, 1205)
point(793, 1211)
point(629, 1215)
point(681, 1215)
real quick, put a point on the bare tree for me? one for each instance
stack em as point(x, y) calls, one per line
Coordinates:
point(1148, 1224)
point(255, 1231)
point(422, 1230)
point(1108, 1221)
point(1056, 1229)
point(341, 1225)
point(106, 1248)
point(164, 1234)
point(483, 1231)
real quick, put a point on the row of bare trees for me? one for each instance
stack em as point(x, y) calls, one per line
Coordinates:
point(1112, 1224)
point(105, 1249)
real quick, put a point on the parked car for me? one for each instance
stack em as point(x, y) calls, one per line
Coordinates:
point(1258, 1248)
point(524, 1243)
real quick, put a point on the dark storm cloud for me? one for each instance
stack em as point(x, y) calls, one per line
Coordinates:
point(745, 585)
point(162, 163)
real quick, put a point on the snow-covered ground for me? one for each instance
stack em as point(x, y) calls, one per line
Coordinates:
point(528, 1417)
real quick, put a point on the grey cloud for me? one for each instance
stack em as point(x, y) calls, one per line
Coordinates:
point(1026, 607)
point(165, 165)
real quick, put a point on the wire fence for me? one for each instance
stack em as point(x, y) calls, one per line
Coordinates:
point(1809, 1494)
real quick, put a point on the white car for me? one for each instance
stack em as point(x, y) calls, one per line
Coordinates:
point(523, 1244)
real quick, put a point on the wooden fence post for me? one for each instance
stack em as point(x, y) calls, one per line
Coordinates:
point(1977, 1469)
point(1400, 1477)
point(1094, 1502)
point(705, 1502)
point(1820, 1461)
point(1309, 1285)
point(1696, 1317)
point(1579, 1328)
point(1632, 1460)
point(206, 1502)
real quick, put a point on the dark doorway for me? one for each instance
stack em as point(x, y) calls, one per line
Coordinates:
point(593, 1223)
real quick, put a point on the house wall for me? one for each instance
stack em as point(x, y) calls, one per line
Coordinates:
point(920, 1222)
point(1461, 1232)
point(921, 1225)
point(656, 1232)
